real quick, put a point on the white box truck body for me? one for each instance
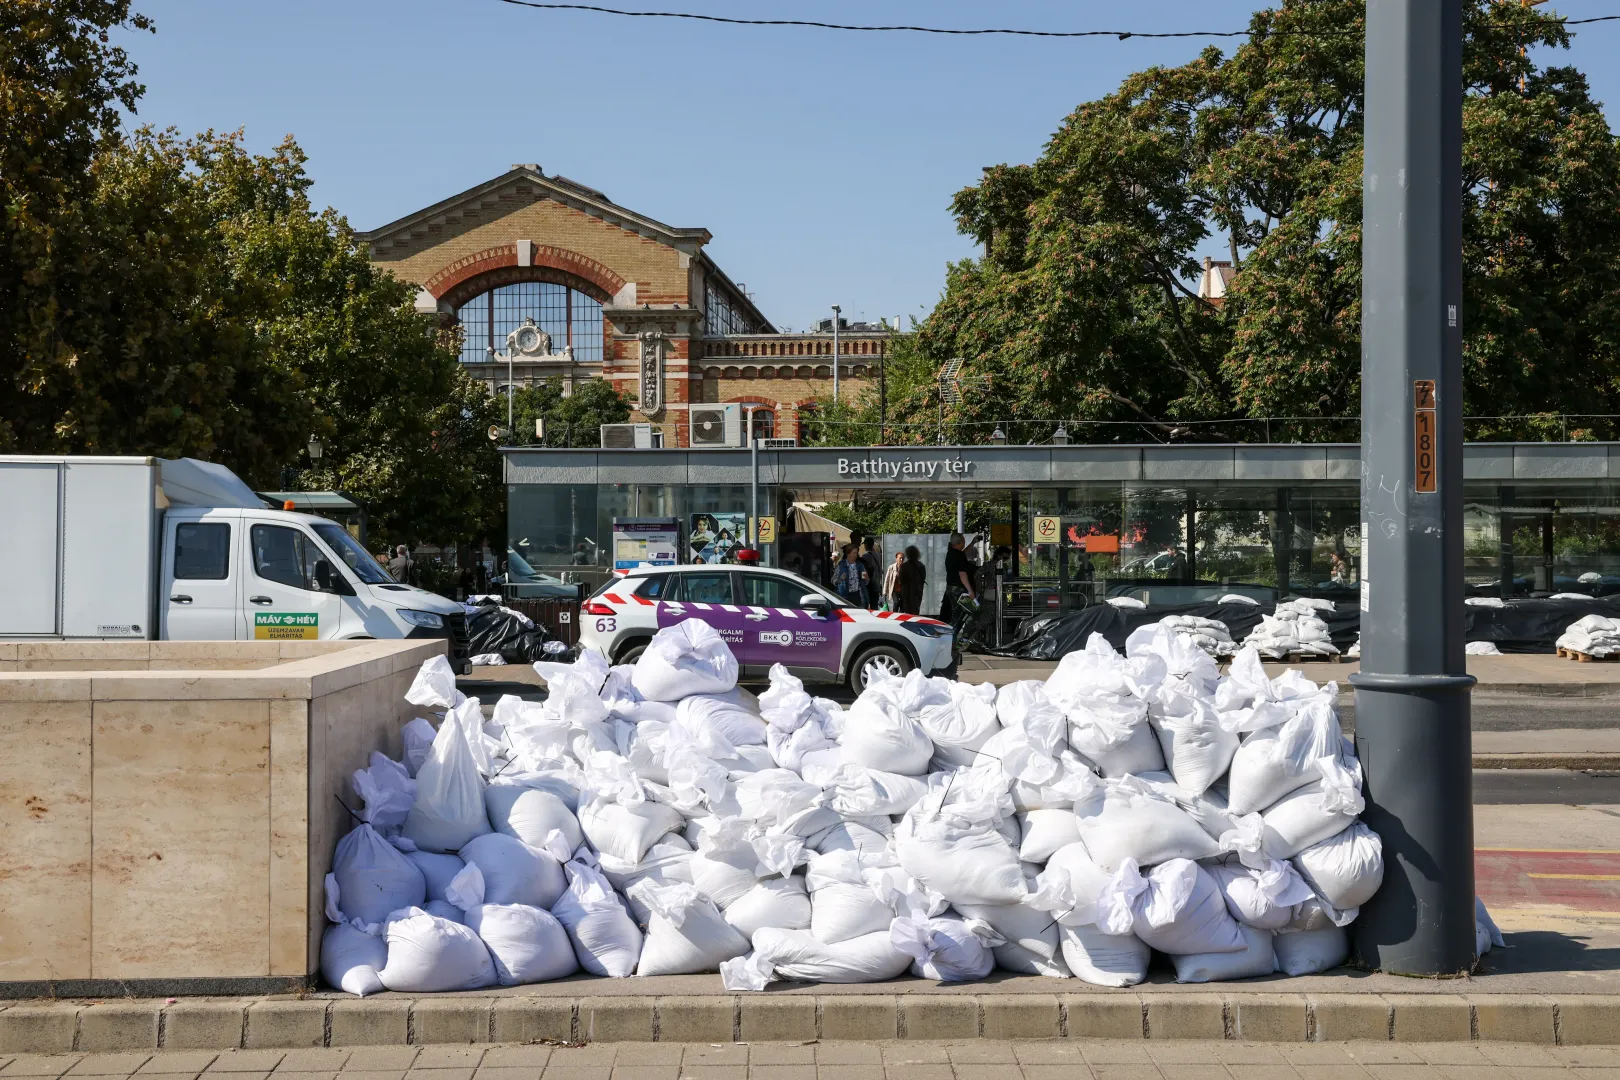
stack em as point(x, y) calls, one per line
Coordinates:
point(108, 548)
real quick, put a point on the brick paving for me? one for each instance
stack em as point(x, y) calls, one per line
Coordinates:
point(981, 1059)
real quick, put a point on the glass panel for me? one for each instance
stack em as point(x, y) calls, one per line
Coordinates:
point(766, 590)
point(278, 555)
point(568, 315)
point(202, 552)
point(704, 588)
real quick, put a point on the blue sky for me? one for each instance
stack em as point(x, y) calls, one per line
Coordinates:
point(822, 162)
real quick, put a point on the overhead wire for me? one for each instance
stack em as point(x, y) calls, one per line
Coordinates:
point(816, 24)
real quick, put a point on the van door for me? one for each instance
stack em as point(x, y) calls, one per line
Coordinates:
point(291, 585)
point(202, 576)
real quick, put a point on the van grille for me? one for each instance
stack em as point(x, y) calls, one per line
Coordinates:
point(457, 625)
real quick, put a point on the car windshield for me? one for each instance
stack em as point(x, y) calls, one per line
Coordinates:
point(518, 568)
point(349, 550)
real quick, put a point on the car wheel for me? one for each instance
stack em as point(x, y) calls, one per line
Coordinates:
point(888, 659)
point(633, 653)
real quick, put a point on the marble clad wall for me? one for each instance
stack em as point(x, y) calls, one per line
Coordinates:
point(161, 825)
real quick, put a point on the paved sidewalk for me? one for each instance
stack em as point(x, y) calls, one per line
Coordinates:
point(980, 1060)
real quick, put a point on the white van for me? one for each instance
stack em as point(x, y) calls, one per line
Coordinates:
point(110, 548)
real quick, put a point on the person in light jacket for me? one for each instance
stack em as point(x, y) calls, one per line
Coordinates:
point(891, 583)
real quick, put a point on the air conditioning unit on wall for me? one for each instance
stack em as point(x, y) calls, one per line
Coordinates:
point(716, 426)
point(627, 436)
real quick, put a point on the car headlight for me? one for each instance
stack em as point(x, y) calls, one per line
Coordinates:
point(928, 630)
point(425, 619)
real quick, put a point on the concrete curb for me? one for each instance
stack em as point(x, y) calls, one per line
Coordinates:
point(1597, 761)
point(389, 1020)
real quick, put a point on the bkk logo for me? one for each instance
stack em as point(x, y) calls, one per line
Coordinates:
point(776, 637)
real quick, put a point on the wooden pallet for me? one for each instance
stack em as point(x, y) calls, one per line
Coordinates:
point(1309, 658)
point(1587, 658)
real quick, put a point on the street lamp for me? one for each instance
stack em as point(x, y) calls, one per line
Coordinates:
point(836, 312)
point(998, 436)
point(315, 450)
point(1060, 437)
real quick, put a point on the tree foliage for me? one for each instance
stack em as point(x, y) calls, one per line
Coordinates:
point(1083, 305)
point(177, 297)
point(572, 420)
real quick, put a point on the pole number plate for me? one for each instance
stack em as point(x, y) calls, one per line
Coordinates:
point(1425, 470)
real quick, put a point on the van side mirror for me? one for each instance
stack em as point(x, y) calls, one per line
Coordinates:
point(323, 575)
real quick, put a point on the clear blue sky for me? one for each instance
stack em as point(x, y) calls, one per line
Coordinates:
point(822, 162)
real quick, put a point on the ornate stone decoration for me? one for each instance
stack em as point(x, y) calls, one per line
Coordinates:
point(652, 371)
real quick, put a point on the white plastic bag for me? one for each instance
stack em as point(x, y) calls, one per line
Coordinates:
point(449, 808)
point(688, 658)
point(418, 738)
point(606, 939)
point(387, 790)
point(1486, 935)
point(1252, 961)
point(351, 959)
point(1311, 952)
point(372, 877)
point(1347, 868)
point(1176, 909)
point(686, 933)
point(1132, 821)
point(946, 949)
point(530, 813)
point(797, 954)
point(435, 685)
point(514, 872)
point(527, 944)
point(437, 871)
point(779, 902)
point(428, 955)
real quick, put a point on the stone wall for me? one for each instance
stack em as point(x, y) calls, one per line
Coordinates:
point(169, 808)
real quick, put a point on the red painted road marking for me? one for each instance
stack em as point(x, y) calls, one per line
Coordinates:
point(1584, 880)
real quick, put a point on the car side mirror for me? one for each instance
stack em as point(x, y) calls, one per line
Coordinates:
point(814, 601)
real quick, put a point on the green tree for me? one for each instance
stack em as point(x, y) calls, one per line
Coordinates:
point(1083, 304)
point(572, 420)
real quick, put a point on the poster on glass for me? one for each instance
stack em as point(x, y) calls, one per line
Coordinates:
point(715, 538)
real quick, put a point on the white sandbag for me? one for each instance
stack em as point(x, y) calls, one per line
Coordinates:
point(1030, 941)
point(437, 871)
point(780, 902)
point(966, 861)
point(796, 723)
point(1254, 960)
point(1043, 832)
point(429, 955)
point(841, 910)
point(1025, 706)
point(686, 933)
point(1481, 648)
point(444, 909)
point(386, 791)
point(859, 791)
point(668, 862)
point(1132, 821)
point(1311, 952)
point(1347, 868)
point(372, 878)
point(959, 730)
point(1176, 908)
point(1103, 959)
point(605, 938)
point(1127, 603)
point(434, 685)
point(351, 959)
point(1262, 897)
point(1188, 669)
point(688, 658)
point(626, 832)
point(796, 954)
point(724, 872)
point(1198, 742)
point(1311, 814)
point(1070, 884)
point(514, 872)
point(449, 808)
point(1486, 935)
point(715, 725)
point(530, 814)
point(1208, 809)
point(881, 735)
point(1276, 760)
point(947, 948)
point(418, 737)
point(528, 945)
point(853, 836)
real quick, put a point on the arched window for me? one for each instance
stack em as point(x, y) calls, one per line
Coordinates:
point(568, 315)
point(764, 422)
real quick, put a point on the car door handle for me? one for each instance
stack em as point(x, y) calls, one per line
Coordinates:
point(260, 600)
point(756, 616)
point(179, 598)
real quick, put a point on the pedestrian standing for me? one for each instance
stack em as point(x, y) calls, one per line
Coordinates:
point(849, 578)
point(870, 559)
point(402, 566)
point(891, 583)
point(913, 578)
point(958, 577)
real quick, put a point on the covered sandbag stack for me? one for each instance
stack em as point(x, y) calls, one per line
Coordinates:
point(661, 820)
point(1210, 635)
point(1591, 635)
point(1294, 628)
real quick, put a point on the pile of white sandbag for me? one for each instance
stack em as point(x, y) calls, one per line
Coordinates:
point(1593, 635)
point(654, 819)
point(1210, 635)
point(1294, 628)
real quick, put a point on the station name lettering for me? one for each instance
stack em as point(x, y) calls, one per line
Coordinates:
point(908, 469)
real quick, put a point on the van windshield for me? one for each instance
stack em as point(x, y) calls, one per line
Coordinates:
point(354, 556)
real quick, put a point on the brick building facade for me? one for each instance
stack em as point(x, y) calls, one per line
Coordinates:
point(616, 295)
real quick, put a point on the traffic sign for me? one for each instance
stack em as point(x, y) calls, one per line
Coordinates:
point(1048, 530)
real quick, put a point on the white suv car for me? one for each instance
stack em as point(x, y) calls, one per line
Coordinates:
point(768, 617)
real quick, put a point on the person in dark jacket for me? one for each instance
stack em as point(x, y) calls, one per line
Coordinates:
point(913, 578)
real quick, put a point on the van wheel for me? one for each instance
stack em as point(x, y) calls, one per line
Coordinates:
point(885, 658)
point(632, 653)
